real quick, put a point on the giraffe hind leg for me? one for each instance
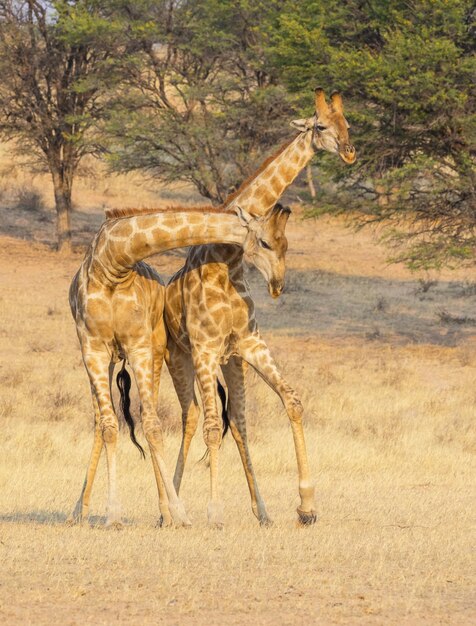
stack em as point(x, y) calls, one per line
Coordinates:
point(235, 379)
point(99, 368)
point(206, 366)
point(181, 370)
point(141, 361)
point(165, 517)
point(81, 510)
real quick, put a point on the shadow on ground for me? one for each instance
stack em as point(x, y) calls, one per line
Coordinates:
point(40, 226)
point(374, 309)
point(47, 518)
point(52, 518)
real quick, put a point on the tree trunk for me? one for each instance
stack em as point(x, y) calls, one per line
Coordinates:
point(62, 187)
point(310, 182)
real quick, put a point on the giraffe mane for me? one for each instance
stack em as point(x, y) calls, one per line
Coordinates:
point(261, 168)
point(112, 214)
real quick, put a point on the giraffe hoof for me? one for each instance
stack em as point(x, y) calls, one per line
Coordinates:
point(307, 518)
point(265, 522)
point(178, 515)
point(215, 514)
point(216, 525)
point(79, 514)
point(116, 525)
point(164, 522)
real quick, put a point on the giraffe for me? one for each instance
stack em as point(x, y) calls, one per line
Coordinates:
point(230, 319)
point(117, 302)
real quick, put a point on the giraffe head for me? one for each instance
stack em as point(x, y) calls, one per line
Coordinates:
point(330, 129)
point(266, 244)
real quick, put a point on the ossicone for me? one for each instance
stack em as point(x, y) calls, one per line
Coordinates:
point(280, 208)
point(320, 102)
point(336, 102)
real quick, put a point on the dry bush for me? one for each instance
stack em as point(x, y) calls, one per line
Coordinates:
point(456, 431)
point(62, 405)
point(7, 408)
point(12, 379)
point(450, 318)
point(468, 289)
point(29, 199)
point(39, 345)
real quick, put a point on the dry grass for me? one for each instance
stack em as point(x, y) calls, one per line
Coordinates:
point(389, 392)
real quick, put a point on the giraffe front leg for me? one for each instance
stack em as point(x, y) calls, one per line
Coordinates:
point(206, 368)
point(165, 518)
point(256, 353)
point(234, 375)
point(141, 361)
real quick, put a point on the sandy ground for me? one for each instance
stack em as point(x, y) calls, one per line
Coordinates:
point(385, 364)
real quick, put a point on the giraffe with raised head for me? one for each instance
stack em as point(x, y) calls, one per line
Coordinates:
point(326, 130)
point(117, 303)
point(210, 313)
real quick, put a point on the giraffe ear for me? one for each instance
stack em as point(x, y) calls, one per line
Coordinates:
point(244, 217)
point(279, 215)
point(303, 125)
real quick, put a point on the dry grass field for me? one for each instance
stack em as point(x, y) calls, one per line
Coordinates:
point(385, 363)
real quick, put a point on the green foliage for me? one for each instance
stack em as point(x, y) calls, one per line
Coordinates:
point(407, 68)
point(406, 71)
point(201, 103)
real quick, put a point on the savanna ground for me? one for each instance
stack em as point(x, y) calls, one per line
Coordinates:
point(385, 364)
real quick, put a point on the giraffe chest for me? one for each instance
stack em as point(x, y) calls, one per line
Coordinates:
point(208, 304)
point(219, 318)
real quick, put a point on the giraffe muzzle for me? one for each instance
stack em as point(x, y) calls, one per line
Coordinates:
point(347, 153)
point(275, 288)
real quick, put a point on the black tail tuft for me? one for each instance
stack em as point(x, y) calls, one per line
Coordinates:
point(123, 381)
point(224, 411)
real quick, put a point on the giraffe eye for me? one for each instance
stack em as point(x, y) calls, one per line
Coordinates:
point(264, 245)
point(320, 128)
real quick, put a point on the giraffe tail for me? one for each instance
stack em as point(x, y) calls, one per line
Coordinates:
point(123, 381)
point(224, 403)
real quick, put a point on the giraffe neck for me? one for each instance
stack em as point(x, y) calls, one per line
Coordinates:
point(260, 193)
point(121, 243)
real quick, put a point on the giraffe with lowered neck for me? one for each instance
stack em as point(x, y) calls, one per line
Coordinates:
point(117, 302)
point(210, 314)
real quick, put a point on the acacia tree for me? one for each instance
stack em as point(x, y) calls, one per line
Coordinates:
point(199, 103)
point(53, 58)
